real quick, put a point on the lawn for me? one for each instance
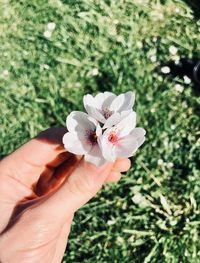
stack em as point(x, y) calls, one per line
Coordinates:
point(153, 214)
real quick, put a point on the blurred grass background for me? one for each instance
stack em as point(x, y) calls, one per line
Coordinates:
point(153, 214)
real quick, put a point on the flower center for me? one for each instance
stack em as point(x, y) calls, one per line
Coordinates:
point(107, 112)
point(91, 137)
point(113, 138)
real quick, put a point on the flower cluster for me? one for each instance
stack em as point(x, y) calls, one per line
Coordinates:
point(107, 131)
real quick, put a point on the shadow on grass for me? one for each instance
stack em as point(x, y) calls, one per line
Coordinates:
point(195, 5)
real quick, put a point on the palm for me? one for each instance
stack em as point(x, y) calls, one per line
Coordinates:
point(18, 193)
point(38, 198)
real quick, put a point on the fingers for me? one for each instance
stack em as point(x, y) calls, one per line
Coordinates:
point(81, 185)
point(52, 180)
point(83, 180)
point(121, 165)
point(113, 177)
point(29, 161)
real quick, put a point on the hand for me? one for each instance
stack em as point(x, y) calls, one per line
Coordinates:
point(41, 188)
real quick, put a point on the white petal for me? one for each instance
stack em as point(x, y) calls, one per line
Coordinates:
point(140, 141)
point(139, 134)
point(98, 100)
point(107, 148)
point(95, 156)
point(126, 146)
point(115, 118)
point(123, 102)
point(88, 100)
point(74, 145)
point(117, 103)
point(108, 99)
point(125, 113)
point(96, 114)
point(112, 120)
point(79, 122)
point(92, 108)
point(104, 99)
point(94, 105)
point(98, 130)
point(129, 101)
point(126, 125)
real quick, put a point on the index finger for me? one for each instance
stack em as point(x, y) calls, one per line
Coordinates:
point(45, 151)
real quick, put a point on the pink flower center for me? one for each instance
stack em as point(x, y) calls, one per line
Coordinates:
point(91, 137)
point(107, 112)
point(113, 138)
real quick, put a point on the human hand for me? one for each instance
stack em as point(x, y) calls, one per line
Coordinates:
point(41, 188)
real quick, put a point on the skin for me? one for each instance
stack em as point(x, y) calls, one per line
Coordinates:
point(42, 186)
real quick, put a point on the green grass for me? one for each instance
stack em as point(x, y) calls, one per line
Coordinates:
point(153, 214)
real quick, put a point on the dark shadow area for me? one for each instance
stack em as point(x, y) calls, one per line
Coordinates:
point(19, 209)
point(53, 176)
point(50, 180)
point(183, 67)
point(52, 135)
point(195, 6)
point(104, 82)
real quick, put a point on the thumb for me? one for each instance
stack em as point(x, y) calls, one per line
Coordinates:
point(82, 184)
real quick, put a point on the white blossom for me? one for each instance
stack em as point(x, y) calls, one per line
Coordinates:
point(160, 162)
point(108, 108)
point(95, 72)
point(153, 110)
point(47, 34)
point(170, 164)
point(173, 50)
point(153, 58)
point(120, 39)
point(115, 21)
point(137, 198)
point(51, 26)
point(177, 62)
point(179, 88)
point(139, 44)
point(45, 66)
point(107, 131)
point(5, 73)
point(82, 135)
point(122, 140)
point(111, 222)
point(165, 70)
point(140, 200)
point(187, 80)
point(154, 39)
point(77, 85)
point(25, 53)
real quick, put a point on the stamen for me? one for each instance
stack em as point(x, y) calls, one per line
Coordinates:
point(91, 137)
point(113, 138)
point(107, 112)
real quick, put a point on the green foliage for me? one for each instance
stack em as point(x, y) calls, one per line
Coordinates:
point(153, 214)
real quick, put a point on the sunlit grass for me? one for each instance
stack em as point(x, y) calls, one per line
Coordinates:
point(152, 215)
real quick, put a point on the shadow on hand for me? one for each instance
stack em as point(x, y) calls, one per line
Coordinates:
point(52, 177)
